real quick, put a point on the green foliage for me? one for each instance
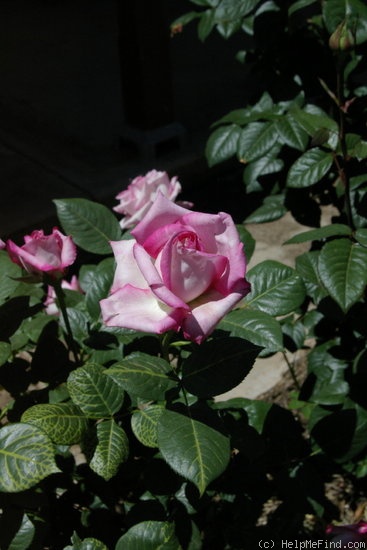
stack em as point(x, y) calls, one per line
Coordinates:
point(123, 433)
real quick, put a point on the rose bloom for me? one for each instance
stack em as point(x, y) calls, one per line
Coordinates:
point(50, 302)
point(343, 534)
point(41, 253)
point(182, 270)
point(136, 200)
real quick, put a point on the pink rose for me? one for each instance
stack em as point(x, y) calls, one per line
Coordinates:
point(136, 200)
point(50, 302)
point(2, 244)
point(343, 534)
point(41, 253)
point(183, 270)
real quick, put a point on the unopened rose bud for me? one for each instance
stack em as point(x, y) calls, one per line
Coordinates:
point(342, 38)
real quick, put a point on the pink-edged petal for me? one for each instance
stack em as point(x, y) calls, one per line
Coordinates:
point(68, 251)
point(154, 280)
point(163, 212)
point(139, 309)
point(127, 271)
point(188, 272)
point(218, 235)
point(209, 309)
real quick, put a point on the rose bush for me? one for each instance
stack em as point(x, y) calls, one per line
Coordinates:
point(345, 534)
point(136, 200)
point(182, 270)
point(41, 253)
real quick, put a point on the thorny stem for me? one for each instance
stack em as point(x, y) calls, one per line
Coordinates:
point(343, 173)
point(69, 334)
point(292, 371)
point(165, 344)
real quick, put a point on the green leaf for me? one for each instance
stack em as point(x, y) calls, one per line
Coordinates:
point(257, 327)
point(5, 352)
point(248, 241)
point(291, 133)
point(26, 457)
point(85, 544)
point(343, 271)
point(111, 451)
point(143, 375)
point(91, 225)
point(218, 365)
point(9, 271)
point(192, 449)
point(206, 24)
point(361, 236)
point(332, 230)
point(24, 537)
point(144, 424)
point(276, 288)
point(256, 410)
point(149, 535)
point(313, 119)
point(96, 394)
point(272, 209)
point(64, 423)
point(307, 266)
point(79, 323)
point(229, 10)
point(222, 144)
point(262, 166)
point(255, 140)
point(309, 168)
point(99, 286)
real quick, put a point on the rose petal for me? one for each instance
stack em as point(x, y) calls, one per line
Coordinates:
point(127, 271)
point(154, 280)
point(209, 309)
point(163, 212)
point(139, 309)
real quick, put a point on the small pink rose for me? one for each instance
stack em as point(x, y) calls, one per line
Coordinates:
point(50, 301)
point(343, 534)
point(182, 270)
point(41, 253)
point(136, 200)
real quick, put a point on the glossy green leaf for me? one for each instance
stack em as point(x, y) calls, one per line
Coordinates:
point(361, 236)
point(276, 288)
point(24, 537)
point(218, 365)
point(266, 164)
point(192, 449)
point(206, 24)
point(149, 535)
point(143, 375)
point(309, 168)
point(99, 286)
point(248, 241)
point(312, 119)
point(255, 140)
point(256, 410)
point(85, 544)
point(291, 133)
point(307, 265)
point(79, 323)
point(96, 394)
point(229, 10)
point(26, 457)
point(272, 209)
point(222, 144)
point(332, 230)
point(91, 225)
point(255, 326)
point(343, 271)
point(9, 271)
point(144, 424)
point(111, 451)
point(5, 352)
point(64, 423)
